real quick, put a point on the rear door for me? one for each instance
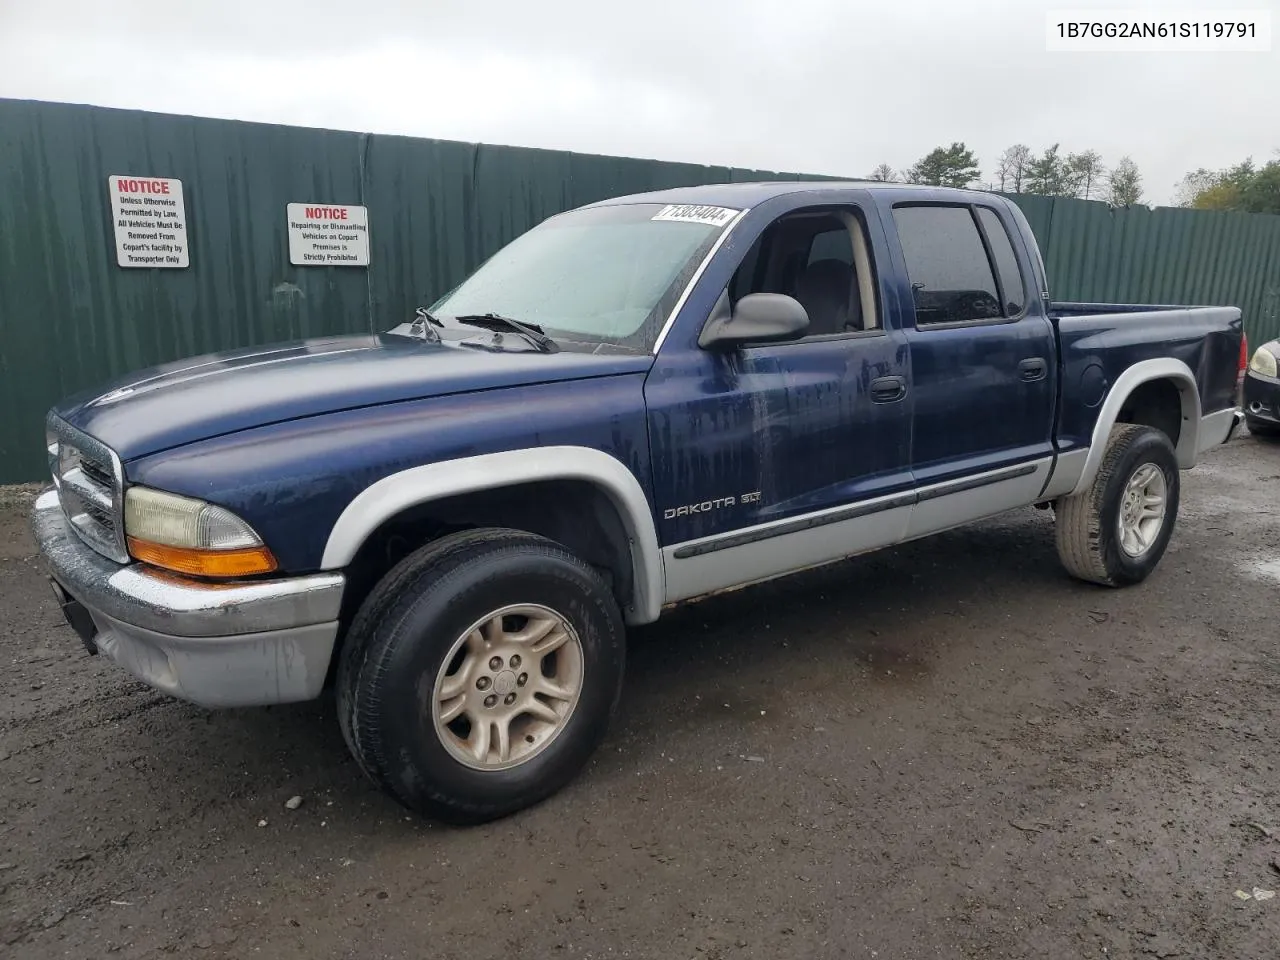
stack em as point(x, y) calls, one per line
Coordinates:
point(982, 360)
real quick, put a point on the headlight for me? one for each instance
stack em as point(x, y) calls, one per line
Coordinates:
point(191, 536)
point(1263, 362)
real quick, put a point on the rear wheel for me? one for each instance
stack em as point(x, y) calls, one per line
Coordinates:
point(1115, 532)
point(480, 674)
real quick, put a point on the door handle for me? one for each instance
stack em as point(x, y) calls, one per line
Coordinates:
point(888, 389)
point(1033, 369)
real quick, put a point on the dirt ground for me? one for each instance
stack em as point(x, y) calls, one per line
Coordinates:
point(944, 750)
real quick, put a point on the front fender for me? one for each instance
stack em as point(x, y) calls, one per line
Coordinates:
point(293, 481)
point(435, 481)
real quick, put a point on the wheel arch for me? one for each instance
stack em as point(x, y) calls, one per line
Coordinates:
point(615, 486)
point(1144, 374)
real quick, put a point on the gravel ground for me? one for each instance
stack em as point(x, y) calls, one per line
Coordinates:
point(19, 495)
point(944, 750)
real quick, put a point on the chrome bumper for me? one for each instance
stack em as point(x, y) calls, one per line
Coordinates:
point(213, 644)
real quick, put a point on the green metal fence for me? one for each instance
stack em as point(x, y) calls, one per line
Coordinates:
point(70, 317)
point(1165, 255)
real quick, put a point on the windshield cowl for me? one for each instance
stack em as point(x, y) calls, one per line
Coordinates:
point(530, 332)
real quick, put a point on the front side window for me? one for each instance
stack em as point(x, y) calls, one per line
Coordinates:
point(605, 274)
point(947, 264)
point(819, 257)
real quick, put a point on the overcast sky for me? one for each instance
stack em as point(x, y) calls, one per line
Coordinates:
point(819, 86)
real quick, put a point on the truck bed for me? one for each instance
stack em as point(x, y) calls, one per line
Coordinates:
point(1068, 308)
point(1098, 342)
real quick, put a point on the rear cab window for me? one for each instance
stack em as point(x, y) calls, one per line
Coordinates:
point(961, 264)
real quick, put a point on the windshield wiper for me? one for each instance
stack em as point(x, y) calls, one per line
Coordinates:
point(494, 321)
point(422, 320)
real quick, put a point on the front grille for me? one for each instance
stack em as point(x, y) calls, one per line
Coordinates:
point(90, 486)
point(97, 473)
point(101, 517)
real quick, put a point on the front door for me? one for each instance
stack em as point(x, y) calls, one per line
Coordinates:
point(782, 456)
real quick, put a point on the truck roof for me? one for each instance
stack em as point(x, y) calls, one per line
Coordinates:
point(754, 193)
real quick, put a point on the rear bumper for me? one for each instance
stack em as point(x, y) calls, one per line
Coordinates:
point(218, 645)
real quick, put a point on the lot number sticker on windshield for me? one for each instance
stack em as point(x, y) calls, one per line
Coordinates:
point(696, 213)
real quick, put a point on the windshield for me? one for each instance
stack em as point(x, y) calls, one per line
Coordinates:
point(605, 274)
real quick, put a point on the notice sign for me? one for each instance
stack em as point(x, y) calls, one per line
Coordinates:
point(328, 236)
point(150, 222)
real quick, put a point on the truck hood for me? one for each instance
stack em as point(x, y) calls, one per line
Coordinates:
point(219, 393)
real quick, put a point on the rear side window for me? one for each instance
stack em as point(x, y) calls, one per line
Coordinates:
point(1007, 272)
point(947, 264)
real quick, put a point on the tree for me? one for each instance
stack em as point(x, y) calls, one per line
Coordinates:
point(1012, 167)
point(1262, 193)
point(1047, 175)
point(1217, 189)
point(1084, 171)
point(1244, 187)
point(953, 166)
point(1124, 184)
point(1191, 186)
point(884, 173)
point(1218, 195)
point(1249, 188)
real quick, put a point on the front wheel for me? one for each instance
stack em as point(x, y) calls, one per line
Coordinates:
point(1115, 532)
point(481, 674)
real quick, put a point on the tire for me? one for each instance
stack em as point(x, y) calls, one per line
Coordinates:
point(1090, 543)
point(394, 673)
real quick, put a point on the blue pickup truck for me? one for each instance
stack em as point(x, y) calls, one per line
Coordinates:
point(636, 403)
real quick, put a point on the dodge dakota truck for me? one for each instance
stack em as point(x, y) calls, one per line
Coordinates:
point(640, 402)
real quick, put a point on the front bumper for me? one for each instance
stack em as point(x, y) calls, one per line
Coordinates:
point(1261, 399)
point(218, 645)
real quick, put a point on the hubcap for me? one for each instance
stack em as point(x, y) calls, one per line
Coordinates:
point(508, 687)
point(1142, 509)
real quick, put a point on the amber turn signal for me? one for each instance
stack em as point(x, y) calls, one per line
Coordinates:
point(204, 563)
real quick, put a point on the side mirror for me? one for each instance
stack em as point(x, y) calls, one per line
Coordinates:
point(758, 318)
